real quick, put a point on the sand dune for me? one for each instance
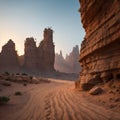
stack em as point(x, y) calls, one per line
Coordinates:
point(54, 101)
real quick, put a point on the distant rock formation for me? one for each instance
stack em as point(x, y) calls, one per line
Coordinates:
point(35, 60)
point(60, 63)
point(40, 58)
point(30, 56)
point(100, 49)
point(9, 58)
point(70, 64)
point(73, 60)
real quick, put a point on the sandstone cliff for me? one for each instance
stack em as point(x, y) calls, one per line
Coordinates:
point(100, 49)
point(70, 64)
point(9, 58)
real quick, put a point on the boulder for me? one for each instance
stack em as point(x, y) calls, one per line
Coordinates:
point(96, 90)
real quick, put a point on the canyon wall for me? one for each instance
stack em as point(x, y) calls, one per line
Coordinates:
point(9, 58)
point(100, 49)
point(70, 64)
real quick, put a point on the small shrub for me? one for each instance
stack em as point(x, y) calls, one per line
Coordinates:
point(31, 77)
point(7, 73)
point(18, 93)
point(24, 74)
point(6, 84)
point(7, 79)
point(25, 84)
point(4, 99)
point(17, 73)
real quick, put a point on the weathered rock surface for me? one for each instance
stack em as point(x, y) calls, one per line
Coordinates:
point(40, 58)
point(46, 51)
point(35, 60)
point(70, 64)
point(30, 57)
point(100, 49)
point(9, 58)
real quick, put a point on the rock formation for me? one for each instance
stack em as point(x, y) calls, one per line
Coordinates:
point(30, 57)
point(35, 59)
point(70, 64)
point(60, 63)
point(73, 60)
point(100, 49)
point(9, 58)
point(46, 52)
point(41, 58)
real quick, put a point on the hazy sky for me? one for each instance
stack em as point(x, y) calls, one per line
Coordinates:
point(28, 18)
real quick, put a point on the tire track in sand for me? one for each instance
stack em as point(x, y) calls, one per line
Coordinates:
point(56, 101)
point(65, 104)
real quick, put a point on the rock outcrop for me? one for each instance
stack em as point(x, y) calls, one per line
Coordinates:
point(70, 64)
point(73, 60)
point(9, 58)
point(46, 51)
point(60, 63)
point(41, 58)
point(30, 57)
point(35, 60)
point(100, 49)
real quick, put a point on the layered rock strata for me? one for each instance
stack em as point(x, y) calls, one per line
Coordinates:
point(100, 49)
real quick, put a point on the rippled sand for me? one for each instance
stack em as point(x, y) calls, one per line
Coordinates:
point(52, 101)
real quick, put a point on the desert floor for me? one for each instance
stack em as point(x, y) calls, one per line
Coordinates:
point(57, 100)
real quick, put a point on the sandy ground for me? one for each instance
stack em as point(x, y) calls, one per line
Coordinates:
point(52, 101)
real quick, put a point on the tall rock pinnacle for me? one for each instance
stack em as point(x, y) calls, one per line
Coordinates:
point(9, 57)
